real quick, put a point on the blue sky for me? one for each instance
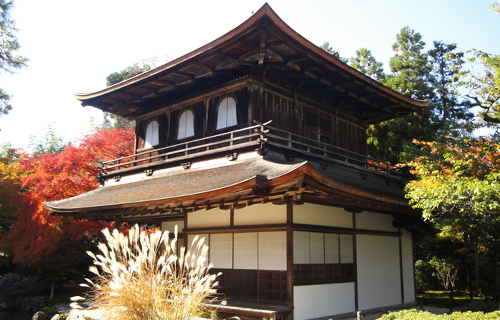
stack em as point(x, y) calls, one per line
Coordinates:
point(74, 45)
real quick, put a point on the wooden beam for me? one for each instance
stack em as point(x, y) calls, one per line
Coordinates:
point(355, 95)
point(310, 74)
point(189, 75)
point(262, 49)
point(251, 53)
point(292, 65)
point(326, 82)
point(274, 55)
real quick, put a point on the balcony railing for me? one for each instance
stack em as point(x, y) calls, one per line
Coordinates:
point(260, 135)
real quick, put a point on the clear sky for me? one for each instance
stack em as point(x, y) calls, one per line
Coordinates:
point(74, 45)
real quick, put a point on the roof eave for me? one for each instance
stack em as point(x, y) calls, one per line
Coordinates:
point(264, 12)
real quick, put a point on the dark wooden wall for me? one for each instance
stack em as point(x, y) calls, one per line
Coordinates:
point(335, 124)
point(309, 114)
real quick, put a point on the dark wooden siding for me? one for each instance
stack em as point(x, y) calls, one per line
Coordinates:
point(205, 121)
point(316, 117)
point(308, 274)
point(336, 123)
point(253, 285)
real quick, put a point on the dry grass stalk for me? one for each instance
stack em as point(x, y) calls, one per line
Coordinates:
point(142, 277)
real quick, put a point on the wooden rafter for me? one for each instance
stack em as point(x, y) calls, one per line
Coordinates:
point(262, 48)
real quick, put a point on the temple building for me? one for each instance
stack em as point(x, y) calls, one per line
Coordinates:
point(257, 141)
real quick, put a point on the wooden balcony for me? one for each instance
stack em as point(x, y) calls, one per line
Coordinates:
point(262, 137)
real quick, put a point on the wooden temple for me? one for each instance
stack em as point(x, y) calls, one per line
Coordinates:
point(257, 141)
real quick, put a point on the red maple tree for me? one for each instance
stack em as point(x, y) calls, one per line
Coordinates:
point(44, 241)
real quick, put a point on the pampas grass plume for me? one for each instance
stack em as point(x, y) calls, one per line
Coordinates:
point(143, 277)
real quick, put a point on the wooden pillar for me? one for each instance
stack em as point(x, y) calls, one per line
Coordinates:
point(251, 103)
point(231, 217)
point(401, 266)
point(184, 235)
point(205, 123)
point(289, 255)
point(262, 102)
point(413, 264)
point(169, 127)
point(355, 261)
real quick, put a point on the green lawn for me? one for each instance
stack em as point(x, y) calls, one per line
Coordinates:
point(461, 300)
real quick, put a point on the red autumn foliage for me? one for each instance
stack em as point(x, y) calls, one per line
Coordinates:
point(39, 239)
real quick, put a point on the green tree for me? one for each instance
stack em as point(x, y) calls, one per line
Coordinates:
point(410, 75)
point(431, 75)
point(112, 120)
point(46, 141)
point(449, 109)
point(410, 67)
point(9, 61)
point(366, 63)
point(126, 73)
point(458, 189)
point(446, 271)
point(496, 7)
point(328, 49)
point(482, 80)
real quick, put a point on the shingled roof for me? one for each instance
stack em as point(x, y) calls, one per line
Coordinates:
point(238, 183)
point(262, 42)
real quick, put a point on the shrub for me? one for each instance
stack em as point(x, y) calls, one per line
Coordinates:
point(482, 305)
point(423, 276)
point(140, 276)
point(425, 315)
point(49, 310)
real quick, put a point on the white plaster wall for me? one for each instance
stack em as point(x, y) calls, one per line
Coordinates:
point(170, 226)
point(323, 300)
point(221, 250)
point(256, 214)
point(332, 248)
point(245, 250)
point(317, 247)
point(314, 214)
point(379, 282)
point(408, 271)
point(209, 218)
point(272, 250)
point(301, 247)
point(346, 248)
point(375, 221)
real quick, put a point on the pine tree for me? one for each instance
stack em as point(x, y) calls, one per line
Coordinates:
point(328, 49)
point(366, 63)
point(410, 75)
point(410, 67)
point(9, 61)
point(449, 110)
